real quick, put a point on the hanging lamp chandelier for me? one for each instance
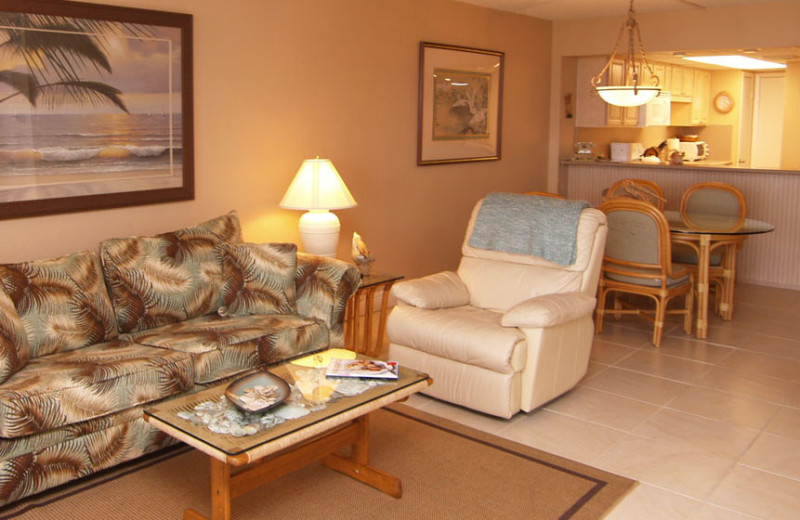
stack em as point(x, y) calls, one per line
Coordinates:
point(630, 93)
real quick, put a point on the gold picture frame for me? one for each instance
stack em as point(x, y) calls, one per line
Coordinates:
point(460, 104)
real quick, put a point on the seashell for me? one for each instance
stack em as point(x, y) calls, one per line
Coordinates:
point(360, 252)
point(290, 411)
point(351, 387)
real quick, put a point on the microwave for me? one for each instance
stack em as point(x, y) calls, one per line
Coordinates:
point(694, 150)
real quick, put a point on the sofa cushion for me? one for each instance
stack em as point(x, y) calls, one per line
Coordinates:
point(167, 278)
point(14, 349)
point(62, 302)
point(76, 386)
point(258, 278)
point(221, 347)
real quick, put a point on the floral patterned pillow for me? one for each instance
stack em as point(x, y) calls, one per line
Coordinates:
point(62, 302)
point(258, 278)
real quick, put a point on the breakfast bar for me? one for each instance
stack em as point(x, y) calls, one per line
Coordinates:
point(772, 196)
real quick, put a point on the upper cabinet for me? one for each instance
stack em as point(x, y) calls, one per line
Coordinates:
point(681, 83)
point(694, 110)
point(620, 116)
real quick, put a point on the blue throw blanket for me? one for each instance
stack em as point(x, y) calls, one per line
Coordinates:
point(529, 225)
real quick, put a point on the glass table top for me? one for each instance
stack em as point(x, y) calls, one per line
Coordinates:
point(170, 411)
point(703, 223)
point(377, 278)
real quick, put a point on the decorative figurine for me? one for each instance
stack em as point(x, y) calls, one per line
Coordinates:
point(362, 256)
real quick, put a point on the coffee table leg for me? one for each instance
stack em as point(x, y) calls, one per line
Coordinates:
point(357, 464)
point(220, 494)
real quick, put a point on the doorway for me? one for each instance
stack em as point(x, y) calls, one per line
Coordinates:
point(768, 107)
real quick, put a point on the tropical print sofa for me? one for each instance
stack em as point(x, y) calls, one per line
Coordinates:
point(90, 339)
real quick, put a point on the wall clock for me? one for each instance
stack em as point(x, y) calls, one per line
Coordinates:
point(723, 102)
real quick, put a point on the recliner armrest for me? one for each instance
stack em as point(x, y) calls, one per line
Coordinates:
point(548, 310)
point(436, 291)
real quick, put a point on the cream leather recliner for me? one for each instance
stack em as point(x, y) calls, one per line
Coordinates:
point(506, 332)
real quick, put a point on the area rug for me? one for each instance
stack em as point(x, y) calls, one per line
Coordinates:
point(448, 471)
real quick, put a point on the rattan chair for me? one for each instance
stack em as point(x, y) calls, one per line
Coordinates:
point(637, 189)
point(716, 198)
point(638, 261)
point(544, 194)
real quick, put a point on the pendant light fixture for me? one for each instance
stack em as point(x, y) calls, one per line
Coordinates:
point(630, 92)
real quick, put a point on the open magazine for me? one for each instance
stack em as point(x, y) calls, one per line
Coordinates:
point(362, 368)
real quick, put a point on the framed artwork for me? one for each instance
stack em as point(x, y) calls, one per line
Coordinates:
point(460, 104)
point(95, 107)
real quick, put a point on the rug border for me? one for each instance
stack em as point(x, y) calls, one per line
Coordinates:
point(605, 482)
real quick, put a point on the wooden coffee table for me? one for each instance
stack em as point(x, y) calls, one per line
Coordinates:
point(289, 446)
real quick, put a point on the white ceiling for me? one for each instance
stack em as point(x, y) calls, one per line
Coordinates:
point(577, 9)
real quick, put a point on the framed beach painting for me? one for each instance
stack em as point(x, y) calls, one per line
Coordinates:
point(95, 107)
point(460, 104)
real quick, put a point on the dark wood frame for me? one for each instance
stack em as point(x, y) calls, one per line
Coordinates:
point(182, 21)
point(467, 153)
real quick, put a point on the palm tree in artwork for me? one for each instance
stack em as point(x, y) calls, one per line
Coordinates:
point(55, 50)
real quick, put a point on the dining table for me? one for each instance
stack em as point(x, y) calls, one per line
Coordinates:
point(705, 233)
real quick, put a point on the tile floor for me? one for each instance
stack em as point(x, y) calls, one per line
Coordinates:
point(709, 428)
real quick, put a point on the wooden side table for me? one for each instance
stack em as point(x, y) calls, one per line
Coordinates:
point(359, 320)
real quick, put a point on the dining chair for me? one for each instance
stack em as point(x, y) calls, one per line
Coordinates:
point(638, 261)
point(544, 194)
point(638, 189)
point(715, 198)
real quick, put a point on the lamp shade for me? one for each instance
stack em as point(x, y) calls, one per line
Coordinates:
point(318, 188)
point(627, 96)
point(317, 185)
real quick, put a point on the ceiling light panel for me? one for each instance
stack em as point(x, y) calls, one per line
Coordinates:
point(737, 62)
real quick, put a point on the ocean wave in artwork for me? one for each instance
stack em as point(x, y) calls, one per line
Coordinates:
point(59, 160)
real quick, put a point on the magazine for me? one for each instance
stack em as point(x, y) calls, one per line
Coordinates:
point(362, 368)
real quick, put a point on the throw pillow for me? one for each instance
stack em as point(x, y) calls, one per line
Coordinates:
point(62, 302)
point(258, 278)
point(225, 227)
point(14, 350)
point(167, 278)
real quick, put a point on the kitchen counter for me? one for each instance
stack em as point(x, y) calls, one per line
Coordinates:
point(708, 165)
point(772, 196)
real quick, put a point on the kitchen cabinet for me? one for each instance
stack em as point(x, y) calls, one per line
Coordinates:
point(620, 116)
point(694, 112)
point(701, 97)
point(681, 83)
point(662, 71)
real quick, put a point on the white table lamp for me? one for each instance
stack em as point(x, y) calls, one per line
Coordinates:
point(318, 188)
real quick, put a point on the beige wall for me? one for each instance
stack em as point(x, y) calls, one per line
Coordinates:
point(279, 81)
point(759, 25)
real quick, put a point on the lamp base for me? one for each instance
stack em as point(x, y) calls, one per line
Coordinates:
point(319, 232)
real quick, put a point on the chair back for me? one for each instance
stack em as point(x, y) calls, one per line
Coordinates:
point(498, 280)
point(544, 194)
point(638, 243)
point(638, 189)
point(716, 198)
